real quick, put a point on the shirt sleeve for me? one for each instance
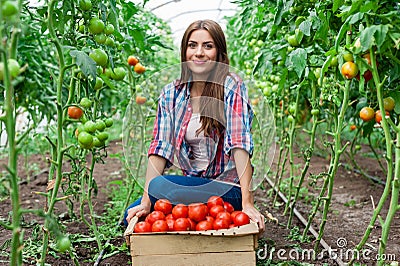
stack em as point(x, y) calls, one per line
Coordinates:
point(163, 140)
point(239, 116)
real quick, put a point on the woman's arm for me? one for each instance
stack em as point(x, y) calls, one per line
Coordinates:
point(245, 172)
point(155, 167)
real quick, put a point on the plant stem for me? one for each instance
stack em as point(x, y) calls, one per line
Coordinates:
point(337, 151)
point(389, 158)
point(60, 143)
point(292, 135)
point(10, 123)
point(394, 205)
point(90, 203)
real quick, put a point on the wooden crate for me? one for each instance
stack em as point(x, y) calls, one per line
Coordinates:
point(235, 246)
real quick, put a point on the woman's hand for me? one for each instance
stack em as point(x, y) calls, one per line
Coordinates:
point(140, 210)
point(255, 216)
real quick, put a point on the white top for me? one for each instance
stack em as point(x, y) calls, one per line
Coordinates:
point(198, 143)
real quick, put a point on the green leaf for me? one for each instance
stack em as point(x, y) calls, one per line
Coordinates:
point(278, 13)
point(355, 18)
point(297, 60)
point(138, 37)
point(86, 64)
point(340, 35)
point(337, 4)
point(375, 34)
point(305, 27)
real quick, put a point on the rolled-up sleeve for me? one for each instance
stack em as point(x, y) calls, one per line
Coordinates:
point(239, 116)
point(163, 140)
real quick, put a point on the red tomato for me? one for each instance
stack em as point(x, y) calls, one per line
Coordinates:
point(154, 216)
point(232, 225)
point(197, 211)
point(182, 224)
point(214, 210)
point(233, 214)
point(169, 217)
point(180, 211)
point(170, 223)
point(224, 215)
point(159, 226)
point(192, 224)
point(204, 225)
point(163, 205)
point(142, 227)
point(241, 219)
point(210, 218)
point(228, 207)
point(378, 116)
point(220, 224)
point(75, 112)
point(214, 200)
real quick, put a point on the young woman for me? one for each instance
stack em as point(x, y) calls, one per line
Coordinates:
point(203, 124)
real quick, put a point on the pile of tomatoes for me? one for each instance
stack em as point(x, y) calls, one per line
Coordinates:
point(213, 215)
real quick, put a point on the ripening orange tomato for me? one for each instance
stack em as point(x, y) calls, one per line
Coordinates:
point(75, 112)
point(367, 114)
point(139, 68)
point(349, 70)
point(132, 60)
point(378, 116)
point(140, 99)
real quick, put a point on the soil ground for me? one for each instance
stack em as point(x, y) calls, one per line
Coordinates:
point(352, 206)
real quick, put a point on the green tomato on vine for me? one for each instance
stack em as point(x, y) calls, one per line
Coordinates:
point(96, 26)
point(9, 8)
point(99, 56)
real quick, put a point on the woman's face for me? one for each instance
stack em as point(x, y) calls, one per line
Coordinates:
point(201, 53)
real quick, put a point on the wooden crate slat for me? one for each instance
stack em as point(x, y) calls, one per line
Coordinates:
point(247, 258)
point(172, 244)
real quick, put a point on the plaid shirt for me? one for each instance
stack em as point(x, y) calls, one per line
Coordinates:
point(172, 118)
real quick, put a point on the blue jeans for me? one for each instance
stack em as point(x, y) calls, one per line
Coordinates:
point(188, 189)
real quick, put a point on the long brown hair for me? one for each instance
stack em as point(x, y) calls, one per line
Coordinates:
point(214, 87)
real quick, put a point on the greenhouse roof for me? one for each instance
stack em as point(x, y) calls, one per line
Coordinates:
point(180, 13)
